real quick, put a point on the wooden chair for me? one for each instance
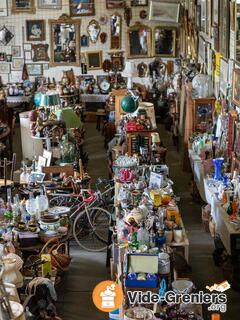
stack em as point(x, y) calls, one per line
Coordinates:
point(4, 165)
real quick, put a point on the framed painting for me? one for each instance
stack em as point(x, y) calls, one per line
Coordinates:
point(233, 16)
point(45, 66)
point(23, 6)
point(40, 52)
point(35, 30)
point(202, 113)
point(17, 64)
point(94, 60)
point(208, 16)
point(3, 8)
point(16, 51)
point(8, 58)
point(215, 12)
point(223, 76)
point(5, 35)
point(203, 15)
point(224, 28)
point(84, 40)
point(139, 41)
point(164, 42)
point(236, 87)
point(139, 3)
point(2, 56)
point(215, 31)
point(34, 69)
point(81, 8)
point(27, 46)
point(49, 4)
point(164, 11)
point(198, 17)
point(5, 68)
point(115, 4)
point(28, 55)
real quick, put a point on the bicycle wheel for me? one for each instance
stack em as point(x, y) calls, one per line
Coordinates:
point(65, 201)
point(91, 228)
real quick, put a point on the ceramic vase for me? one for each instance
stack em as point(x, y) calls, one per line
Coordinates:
point(178, 235)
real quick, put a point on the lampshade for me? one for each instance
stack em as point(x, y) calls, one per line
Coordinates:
point(130, 69)
point(155, 137)
point(50, 100)
point(70, 118)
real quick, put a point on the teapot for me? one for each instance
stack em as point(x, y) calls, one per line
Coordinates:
point(126, 175)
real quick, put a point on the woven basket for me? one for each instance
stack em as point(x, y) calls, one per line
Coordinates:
point(60, 260)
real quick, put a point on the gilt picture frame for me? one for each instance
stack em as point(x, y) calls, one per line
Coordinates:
point(139, 41)
point(23, 6)
point(224, 28)
point(94, 60)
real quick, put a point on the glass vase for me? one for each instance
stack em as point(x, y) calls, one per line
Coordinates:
point(218, 168)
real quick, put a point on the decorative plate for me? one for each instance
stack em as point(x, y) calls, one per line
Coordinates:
point(57, 211)
point(104, 85)
point(103, 19)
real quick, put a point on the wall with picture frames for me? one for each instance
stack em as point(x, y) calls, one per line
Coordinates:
point(21, 45)
point(213, 28)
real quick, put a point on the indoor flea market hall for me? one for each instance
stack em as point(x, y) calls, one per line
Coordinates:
point(119, 159)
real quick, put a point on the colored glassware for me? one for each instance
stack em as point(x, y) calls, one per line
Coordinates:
point(218, 168)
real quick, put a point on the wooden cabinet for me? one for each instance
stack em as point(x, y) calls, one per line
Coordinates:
point(137, 139)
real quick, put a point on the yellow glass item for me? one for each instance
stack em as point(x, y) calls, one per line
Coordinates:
point(166, 198)
point(156, 197)
point(172, 214)
point(218, 106)
point(47, 265)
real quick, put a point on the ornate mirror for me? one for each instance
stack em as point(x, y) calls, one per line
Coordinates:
point(93, 30)
point(65, 48)
point(139, 41)
point(116, 31)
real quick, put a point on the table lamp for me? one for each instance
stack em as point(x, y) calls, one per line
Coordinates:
point(130, 71)
point(69, 117)
point(50, 99)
